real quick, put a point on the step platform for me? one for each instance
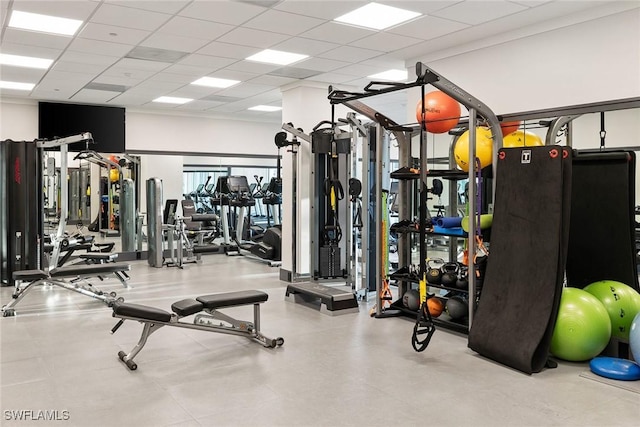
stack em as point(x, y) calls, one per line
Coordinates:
point(332, 300)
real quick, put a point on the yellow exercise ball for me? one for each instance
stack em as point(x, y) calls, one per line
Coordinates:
point(522, 138)
point(484, 149)
point(114, 175)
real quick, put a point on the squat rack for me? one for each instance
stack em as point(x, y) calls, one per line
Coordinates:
point(425, 76)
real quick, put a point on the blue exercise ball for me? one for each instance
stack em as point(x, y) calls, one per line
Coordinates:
point(634, 338)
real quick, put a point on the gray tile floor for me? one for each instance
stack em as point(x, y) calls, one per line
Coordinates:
point(58, 354)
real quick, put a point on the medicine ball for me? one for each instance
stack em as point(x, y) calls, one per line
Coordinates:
point(411, 299)
point(436, 306)
point(457, 307)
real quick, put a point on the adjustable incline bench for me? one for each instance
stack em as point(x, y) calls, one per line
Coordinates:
point(56, 277)
point(211, 320)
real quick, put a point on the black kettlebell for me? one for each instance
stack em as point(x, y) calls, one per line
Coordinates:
point(463, 278)
point(449, 274)
point(434, 274)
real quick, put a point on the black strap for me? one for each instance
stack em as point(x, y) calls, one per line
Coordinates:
point(424, 326)
point(603, 131)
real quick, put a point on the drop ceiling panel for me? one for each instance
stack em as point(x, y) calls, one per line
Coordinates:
point(61, 94)
point(477, 12)
point(428, 27)
point(104, 48)
point(253, 38)
point(531, 3)
point(233, 13)
point(253, 67)
point(31, 38)
point(20, 74)
point(64, 79)
point(188, 70)
point(73, 9)
point(283, 22)
point(79, 67)
point(320, 9)
point(244, 90)
point(207, 61)
point(272, 97)
point(337, 33)
point(306, 46)
point(120, 16)
point(131, 64)
point(351, 54)
point(174, 42)
point(128, 81)
point(93, 96)
point(386, 42)
point(171, 77)
point(199, 105)
point(87, 58)
point(332, 78)
point(227, 50)
point(165, 6)
point(322, 64)
point(154, 88)
point(116, 71)
point(197, 28)
point(37, 51)
point(268, 80)
point(194, 92)
point(113, 34)
point(421, 6)
point(361, 70)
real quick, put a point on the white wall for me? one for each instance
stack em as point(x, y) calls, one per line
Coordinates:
point(176, 133)
point(18, 120)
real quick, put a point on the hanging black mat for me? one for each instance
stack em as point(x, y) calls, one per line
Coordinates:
point(515, 317)
point(602, 236)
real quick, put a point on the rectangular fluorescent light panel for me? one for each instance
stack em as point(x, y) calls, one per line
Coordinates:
point(44, 23)
point(215, 82)
point(25, 61)
point(16, 85)
point(377, 16)
point(172, 100)
point(278, 57)
point(391, 75)
point(267, 108)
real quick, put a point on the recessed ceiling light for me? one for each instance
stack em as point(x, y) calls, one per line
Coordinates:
point(16, 85)
point(172, 100)
point(44, 23)
point(277, 57)
point(215, 82)
point(377, 16)
point(25, 61)
point(391, 75)
point(267, 108)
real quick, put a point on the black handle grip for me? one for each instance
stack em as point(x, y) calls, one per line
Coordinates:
point(117, 326)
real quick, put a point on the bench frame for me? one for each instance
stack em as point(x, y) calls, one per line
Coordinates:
point(74, 284)
point(206, 320)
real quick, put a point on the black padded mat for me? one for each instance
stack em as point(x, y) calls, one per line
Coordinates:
point(521, 292)
point(602, 236)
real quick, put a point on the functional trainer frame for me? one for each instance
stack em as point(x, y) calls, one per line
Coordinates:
point(212, 320)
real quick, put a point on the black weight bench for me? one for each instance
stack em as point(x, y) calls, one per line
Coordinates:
point(57, 276)
point(105, 258)
point(207, 318)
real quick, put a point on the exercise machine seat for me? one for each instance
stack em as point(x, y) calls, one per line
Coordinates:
point(139, 311)
point(29, 275)
point(230, 299)
point(186, 307)
point(76, 270)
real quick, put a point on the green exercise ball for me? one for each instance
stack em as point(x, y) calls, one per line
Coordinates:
point(582, 329)
point(622, 303)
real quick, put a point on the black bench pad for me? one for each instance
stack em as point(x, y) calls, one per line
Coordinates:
point(230, 299)
point(186, 307)
point(79, 270)
point(29, 275)
point(139, 311)
point(99, 256)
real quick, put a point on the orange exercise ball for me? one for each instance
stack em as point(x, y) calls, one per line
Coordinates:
point(484, 149)
point(435, 306)
point(441, 114)
point(522, 138)
point(508, 127)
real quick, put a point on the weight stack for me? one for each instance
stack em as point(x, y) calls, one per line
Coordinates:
point(330, 262)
